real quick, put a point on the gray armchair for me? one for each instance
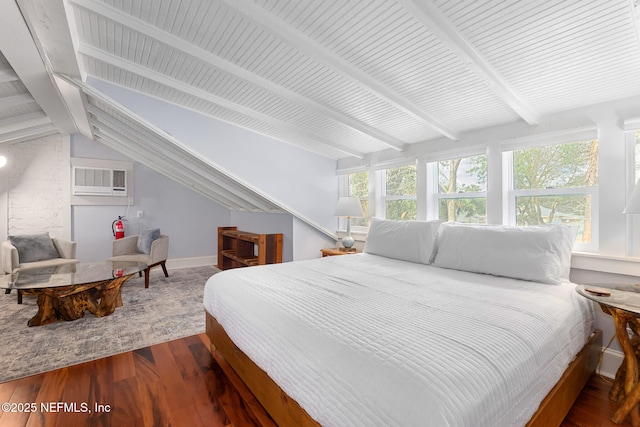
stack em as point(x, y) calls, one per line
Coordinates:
point(126, 249)
point(11, 263)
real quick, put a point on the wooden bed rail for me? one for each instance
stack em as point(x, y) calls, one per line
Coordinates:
point(287, 413)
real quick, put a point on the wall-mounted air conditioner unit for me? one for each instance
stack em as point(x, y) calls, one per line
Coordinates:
point(99, 182)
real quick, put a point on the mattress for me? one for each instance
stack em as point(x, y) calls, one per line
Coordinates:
point(364, 340)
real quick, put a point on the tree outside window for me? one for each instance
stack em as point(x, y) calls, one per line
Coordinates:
point(400, 192)
point(555, 185)
point(359, 187)
point(462, 188)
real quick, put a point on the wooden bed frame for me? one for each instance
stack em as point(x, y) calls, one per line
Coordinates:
point(286, 411)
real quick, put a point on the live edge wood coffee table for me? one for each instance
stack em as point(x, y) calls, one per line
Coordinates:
point(66, 292)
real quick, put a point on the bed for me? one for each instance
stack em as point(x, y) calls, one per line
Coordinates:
point(406, 334)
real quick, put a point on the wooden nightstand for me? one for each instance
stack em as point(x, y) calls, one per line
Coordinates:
point(338, 251)
point(622, 302)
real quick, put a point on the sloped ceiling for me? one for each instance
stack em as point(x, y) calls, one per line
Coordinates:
point(342, 78)
point(349, 77)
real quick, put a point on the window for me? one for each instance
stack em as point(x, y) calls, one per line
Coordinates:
point(398, 196)
point(556, 184)
point(357, 185)
point(462, 189)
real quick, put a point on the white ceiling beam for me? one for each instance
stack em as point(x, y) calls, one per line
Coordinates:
point(75, 100)
point(15, 123)
point(51, 30)
point(170, 157)
point(16, 100)
point(28, 134)
point(435, 21)
point(105, 137)
point(150, 74)
point(169, 39)
point(167, 167)
point(20, 50)
point(315, 50)
point(7, 76)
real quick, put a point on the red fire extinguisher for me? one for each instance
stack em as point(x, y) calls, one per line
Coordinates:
point(117, 227)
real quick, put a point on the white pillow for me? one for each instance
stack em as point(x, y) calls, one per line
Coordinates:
point(535, 253)
point(405, 240)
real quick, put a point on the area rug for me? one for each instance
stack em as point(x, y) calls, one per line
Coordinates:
point(171, 308)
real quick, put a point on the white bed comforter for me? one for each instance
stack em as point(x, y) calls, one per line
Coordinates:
point(363, 340)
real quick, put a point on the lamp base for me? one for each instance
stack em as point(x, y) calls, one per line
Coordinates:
point(347, 242)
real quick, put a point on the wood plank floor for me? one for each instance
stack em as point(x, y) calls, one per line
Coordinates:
point(179, 384)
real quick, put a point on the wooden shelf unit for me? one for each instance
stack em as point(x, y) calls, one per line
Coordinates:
point(243, 249)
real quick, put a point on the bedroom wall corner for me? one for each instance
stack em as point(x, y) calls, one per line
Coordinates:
point(308, 241)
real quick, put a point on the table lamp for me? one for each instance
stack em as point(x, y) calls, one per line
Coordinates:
point(349, 207)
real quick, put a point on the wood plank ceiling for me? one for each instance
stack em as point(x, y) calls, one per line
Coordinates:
point(350, 77)
point(342, 78)
point(347, 77)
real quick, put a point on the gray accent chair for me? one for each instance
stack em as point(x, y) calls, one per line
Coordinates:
point(126, 249)
point(11, 261)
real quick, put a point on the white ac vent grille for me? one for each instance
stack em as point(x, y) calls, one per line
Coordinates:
point(99, 182)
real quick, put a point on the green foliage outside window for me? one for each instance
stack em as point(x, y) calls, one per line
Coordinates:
point(556, 166)
point(359, 187)
point(463, 175)
point(401, 181)
point(572, 165)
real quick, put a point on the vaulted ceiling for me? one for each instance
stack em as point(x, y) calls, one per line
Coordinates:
point(341, 78)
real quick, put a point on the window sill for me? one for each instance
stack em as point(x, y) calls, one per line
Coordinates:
point(606, 263)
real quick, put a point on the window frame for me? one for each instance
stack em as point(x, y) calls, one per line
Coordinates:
point(511, 193)
point(499, 194)
point(434, 197)
point(343, 190)
point(381, 197)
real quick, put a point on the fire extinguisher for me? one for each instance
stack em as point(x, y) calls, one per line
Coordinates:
point(117, 227)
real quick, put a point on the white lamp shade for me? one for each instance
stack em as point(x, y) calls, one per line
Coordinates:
point(633, 205)
point(349, 206)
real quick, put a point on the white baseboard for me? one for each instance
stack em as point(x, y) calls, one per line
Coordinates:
point(611, 360)
point(176, 263)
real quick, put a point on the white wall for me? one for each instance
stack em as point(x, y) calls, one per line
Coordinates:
point(264, 223)
point(299, 179)
point(37, 180)
point(190, 220)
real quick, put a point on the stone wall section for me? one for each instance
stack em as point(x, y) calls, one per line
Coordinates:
point(38, 186)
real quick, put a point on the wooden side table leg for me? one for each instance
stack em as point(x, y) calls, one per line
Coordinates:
point(632, 391)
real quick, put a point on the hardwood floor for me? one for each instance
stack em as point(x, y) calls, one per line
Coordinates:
point(171, 384)
point(179, 384)
point(593, 407)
